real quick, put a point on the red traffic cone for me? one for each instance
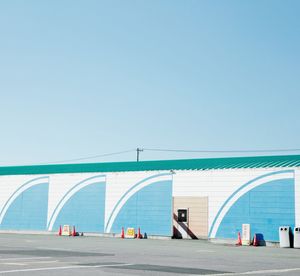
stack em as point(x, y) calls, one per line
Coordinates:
point(239, 241)
point(255, 241)
point(74, 232)
point(139, 235)
point(59, 231)
point(122, 233)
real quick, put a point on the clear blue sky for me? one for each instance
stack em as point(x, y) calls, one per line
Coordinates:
point(80, 78)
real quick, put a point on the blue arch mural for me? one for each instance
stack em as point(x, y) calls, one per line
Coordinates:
point(29, 210)
point(85, 209)
point(265, 207)
point(150, 209)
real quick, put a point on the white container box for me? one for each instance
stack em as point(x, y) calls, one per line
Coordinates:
point(246, 234)
point(297, 237)
point(284, 236)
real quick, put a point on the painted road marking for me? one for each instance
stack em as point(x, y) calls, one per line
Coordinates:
point(121, 265)
point(21, 264)
point(42, 262)
point(29, 241)
point(256, 272)
point(30, 263)
point(50, 248)
point(60, 268)
point(27, 258)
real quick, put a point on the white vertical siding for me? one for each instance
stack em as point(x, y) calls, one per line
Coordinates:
point(218, 185)
point(297, 196)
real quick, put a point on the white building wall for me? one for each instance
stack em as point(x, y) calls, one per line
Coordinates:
point(220, 184)
point(118, 184)
point(62, 187)
point(217, 185)
point(297, 196)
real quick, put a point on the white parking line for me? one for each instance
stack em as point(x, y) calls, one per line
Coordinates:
point(256, 272)
point(30, 263)
point(20, 264)
point(27, 258)
point(60, 268)
point(42, 262)
point(50, 248)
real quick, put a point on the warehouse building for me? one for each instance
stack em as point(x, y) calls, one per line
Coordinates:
point(196, 198)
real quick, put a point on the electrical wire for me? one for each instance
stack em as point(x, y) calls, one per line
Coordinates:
point(170, 150)
point(90, 157)
point(220, 151)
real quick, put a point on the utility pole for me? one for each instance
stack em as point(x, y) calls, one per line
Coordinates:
point(138, 150)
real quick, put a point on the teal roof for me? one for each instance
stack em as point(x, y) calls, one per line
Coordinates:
point(185, 164)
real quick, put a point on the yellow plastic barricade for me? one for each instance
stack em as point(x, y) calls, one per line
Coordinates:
point(130, 233)
point(66, 230)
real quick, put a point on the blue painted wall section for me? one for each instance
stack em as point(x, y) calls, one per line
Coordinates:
point(85, 209)
point(150, 209)
point(265, 207)
point(29, 210)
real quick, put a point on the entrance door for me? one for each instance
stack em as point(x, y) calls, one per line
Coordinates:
point(190, 217)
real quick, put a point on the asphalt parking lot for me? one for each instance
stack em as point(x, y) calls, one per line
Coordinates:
point(50, 254)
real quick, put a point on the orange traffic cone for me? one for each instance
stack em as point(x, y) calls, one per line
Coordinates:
point(59, 231)
point(74, 232)
point(122, 233)
point(239, 241)
point(139, 235)
point(255, 241)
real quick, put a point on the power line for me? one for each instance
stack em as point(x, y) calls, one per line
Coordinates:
point(138, 150)
point(90, 157)
point(220, 151)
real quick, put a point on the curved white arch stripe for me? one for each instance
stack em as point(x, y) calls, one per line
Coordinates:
point(289, 175)
point(131, 193)
point(69, 194)
point(29, 184)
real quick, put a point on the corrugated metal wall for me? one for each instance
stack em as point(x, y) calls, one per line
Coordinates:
point(219, 201)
